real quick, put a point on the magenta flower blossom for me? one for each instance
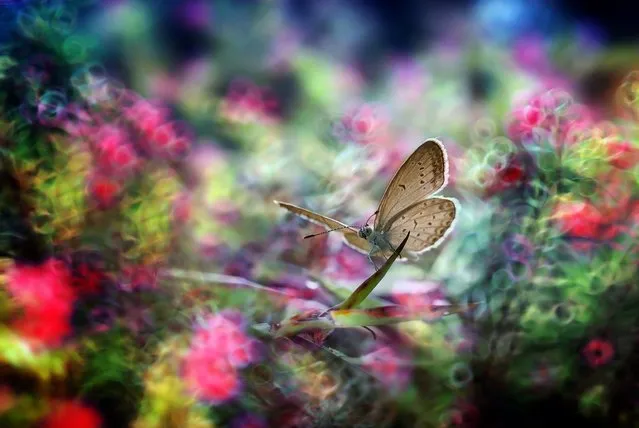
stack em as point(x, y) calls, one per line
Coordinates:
point(145, 117)
point(525, 121)
point(551, 115)
point(219, 348)
point(115, 155)
point(365, 124)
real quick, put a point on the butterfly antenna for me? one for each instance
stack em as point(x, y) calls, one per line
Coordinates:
point(325, 232)
point(371, 216)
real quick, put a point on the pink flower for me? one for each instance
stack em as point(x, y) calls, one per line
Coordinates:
point(364, 124)
point(182, 208)
point(145, 117)
point(167, 142)
point(72, 414)
point(224, 333)
point(525, 121)
point(386, 365)
point(115, 154)
point(210, 377)
point(218, 349)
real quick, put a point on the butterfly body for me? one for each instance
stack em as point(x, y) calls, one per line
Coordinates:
point(379, 242)
point(402, 209)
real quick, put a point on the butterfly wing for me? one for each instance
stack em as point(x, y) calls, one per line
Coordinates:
point(424, 173)
point(350, 234)
point(428, 221)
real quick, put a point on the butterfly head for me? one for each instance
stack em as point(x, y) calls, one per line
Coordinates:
point(365, 231)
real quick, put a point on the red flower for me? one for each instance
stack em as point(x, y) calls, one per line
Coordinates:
point(579, 219)
point(598, 352)
point(87, 279)
point(622, 154)
point(105, 191)
point(72, 414)
point(40, 285)
point(43, 326)
point(511, 174)
point(47, 296)
point(505, 177)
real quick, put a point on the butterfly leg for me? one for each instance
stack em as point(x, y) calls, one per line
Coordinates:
point(372, 261)
point(370, 257)
point(391, 246)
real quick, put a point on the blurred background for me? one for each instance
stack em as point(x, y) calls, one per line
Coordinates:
point(143, 142)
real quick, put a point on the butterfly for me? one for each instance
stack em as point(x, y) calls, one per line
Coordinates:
point(407, 206)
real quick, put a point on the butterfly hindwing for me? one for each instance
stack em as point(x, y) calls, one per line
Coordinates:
point(428, 221)
point(424, 173)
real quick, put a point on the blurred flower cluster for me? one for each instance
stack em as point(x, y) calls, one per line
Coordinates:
point(142, 144)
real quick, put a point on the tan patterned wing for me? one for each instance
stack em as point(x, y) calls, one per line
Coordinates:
point(428, 221)
point(350, 234)
point(423, 174)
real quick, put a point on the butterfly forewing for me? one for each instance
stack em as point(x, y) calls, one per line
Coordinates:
point(349, 233)
point(428, 222)
point(424, 173)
